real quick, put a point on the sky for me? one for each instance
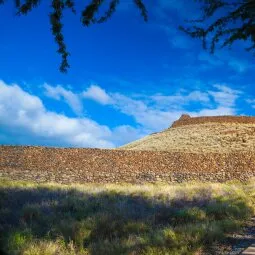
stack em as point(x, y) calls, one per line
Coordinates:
point(127, 78)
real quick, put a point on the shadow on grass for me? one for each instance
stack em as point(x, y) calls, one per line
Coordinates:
point(111, 222)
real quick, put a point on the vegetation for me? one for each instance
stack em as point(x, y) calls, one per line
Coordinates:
point(200, 138)
point(88, 17)
point(225, 20)
point(47, 219)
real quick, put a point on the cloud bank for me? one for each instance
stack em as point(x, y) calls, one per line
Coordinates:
point(25, 119)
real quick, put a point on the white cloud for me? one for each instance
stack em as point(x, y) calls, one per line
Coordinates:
point(234, 59)
point(170, 101)
point(251, 102)
point(225, 96)
point(226, 58)
point(149, 117)
point(238, 65)
point(97, 94)
point(26, 116)
point(157, 112)
point(216, 111)
point(125, 134)
point(58, 93)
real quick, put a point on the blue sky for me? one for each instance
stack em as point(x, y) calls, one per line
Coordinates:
point(127, 79)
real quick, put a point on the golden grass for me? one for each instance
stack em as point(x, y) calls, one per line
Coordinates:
point(51, 219)
point(209, 137)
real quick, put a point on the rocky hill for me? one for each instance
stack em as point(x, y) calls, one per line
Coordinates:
point(219, 134)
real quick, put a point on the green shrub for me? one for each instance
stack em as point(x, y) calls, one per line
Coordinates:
point(17, 240)
point(193, 214)
point(78, 232)
point(136, 227)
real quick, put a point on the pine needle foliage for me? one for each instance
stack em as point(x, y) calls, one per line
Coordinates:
point(224, 22)
point(87, 17)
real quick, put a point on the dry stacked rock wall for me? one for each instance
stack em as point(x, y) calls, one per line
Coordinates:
point(73, 165)
point(187, 120)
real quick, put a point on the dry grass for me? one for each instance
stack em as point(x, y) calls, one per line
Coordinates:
point(203, 138)
point(52, 219)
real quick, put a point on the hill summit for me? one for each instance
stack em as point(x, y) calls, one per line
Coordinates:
point(219, 134)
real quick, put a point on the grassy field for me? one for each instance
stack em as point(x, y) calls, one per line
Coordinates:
point(47, 219)
point(208, 137)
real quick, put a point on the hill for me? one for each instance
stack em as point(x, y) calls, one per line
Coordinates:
point(219, 134)
point(211, 149)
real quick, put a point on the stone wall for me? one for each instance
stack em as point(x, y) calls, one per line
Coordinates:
point(187, 120)
point(71, 165)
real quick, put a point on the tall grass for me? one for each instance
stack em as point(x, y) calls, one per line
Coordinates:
point(51, 219)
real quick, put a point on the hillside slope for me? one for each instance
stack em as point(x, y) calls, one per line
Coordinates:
point(201, 135)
